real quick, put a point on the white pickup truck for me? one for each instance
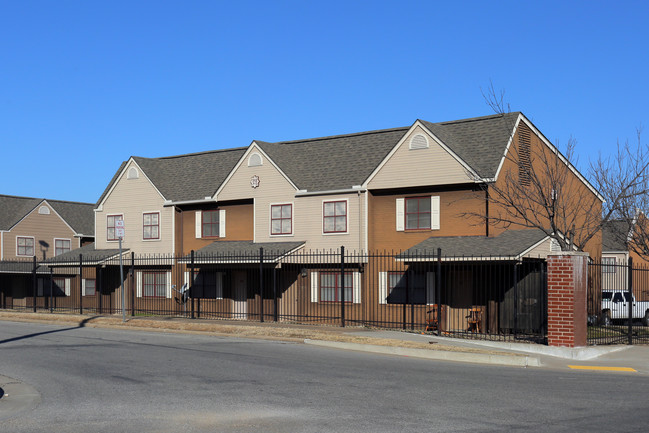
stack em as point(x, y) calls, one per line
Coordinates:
point(615, 306)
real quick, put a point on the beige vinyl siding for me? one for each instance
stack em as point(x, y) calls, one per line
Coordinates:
point(132, 198)
point(541, 250)
point(427, 166)
point(273, 188)
point(43, 228)
point(309, 223)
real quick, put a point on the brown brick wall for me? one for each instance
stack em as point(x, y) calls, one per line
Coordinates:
point(382, 232)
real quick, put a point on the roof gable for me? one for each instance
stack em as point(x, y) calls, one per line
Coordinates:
point(332, 163)
point(78, 216)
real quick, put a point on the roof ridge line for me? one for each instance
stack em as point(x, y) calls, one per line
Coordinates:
point(329, 137)
point(475, 119)
point(205, 152)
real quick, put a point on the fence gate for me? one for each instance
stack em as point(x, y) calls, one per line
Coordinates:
point(618, 302)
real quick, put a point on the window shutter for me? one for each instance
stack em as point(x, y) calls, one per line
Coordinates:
point(401, 204)
point(434, 212)
point(199, 224)
point(185, 283)
point(430, 288)
point(219, 285)
point(138, 286)
point(40, 287)
point(314, 287)
point(356, 282)
point(168, 281)
point(222, 223)
point(383, 287)
point(67, 287)
point(83, 286)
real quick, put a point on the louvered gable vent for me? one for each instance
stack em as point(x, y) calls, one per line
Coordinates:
point(418, 141)
point(524, 158)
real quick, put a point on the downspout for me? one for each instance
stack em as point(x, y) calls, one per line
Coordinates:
point(486, 206)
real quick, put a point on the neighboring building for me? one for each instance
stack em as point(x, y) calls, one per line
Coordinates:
point(42, 228)
point(38, 229)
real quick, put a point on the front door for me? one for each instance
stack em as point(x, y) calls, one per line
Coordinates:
point(240, 295)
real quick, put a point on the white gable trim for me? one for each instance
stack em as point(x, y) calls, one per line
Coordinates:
point(532, 247)
point(100, 207)
point(253, 147)
point(550, 146)
point(435, 139)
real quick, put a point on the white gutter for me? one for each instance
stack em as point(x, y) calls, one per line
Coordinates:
point(353, 189)
point(177, 203)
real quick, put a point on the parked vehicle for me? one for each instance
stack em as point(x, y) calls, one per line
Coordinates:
point(615, 306)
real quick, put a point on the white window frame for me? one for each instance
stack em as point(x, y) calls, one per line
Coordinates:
point(315, 286)
point(261, 160)
point(139, 284)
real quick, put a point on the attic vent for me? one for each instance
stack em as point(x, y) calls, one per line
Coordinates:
point(524, 159)
point(133, 173)
point(254, 160)
point(419, 141)
point(554, 246)
point(44, 210)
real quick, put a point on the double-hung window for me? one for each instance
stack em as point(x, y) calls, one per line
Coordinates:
point(210, 224)
point(89, 287)
point(151, 226)
point(25, 246)
point(281, 219)
point(154, 284)
point(61, 246)
point(111, 234)
point(417, 213)
point(334, 216)
point(331, 287)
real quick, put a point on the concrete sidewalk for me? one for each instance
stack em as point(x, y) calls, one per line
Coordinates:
point(607, 358)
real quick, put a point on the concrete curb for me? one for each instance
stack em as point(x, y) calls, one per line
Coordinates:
point(443, 355)
point(18, 397)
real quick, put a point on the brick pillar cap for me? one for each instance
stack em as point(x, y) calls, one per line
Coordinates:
point(569, 253)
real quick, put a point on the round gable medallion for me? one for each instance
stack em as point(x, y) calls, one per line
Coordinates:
point(254, 181)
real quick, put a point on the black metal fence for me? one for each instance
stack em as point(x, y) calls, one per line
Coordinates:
point(487, 298)
point(618, 302)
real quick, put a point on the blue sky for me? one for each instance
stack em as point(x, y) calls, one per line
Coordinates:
point(86, 84)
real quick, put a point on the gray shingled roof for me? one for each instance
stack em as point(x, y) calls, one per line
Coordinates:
point(246, 250)
point(480, 141)
point(511, 243)
point(614, 235)
point(21, 267)
point(190, 177)
point(88, 253)
point(78, 215)
point(330, 163)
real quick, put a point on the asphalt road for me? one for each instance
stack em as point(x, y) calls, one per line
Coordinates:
point(103, 380)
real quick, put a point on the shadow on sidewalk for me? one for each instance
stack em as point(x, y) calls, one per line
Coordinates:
point(22, 337)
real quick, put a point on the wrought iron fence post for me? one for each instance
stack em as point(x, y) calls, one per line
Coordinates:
point(34, 283)
point(342, 285)
point(51, 290)
point(80, 284)
point(261, 284)
point(630, 300)
point(98, 288)
point(275, 294)
point(438, 291)
point(132, 285)
point(191, 283)
point(515, 300)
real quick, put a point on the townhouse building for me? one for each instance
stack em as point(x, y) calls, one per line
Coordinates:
point(394, 190)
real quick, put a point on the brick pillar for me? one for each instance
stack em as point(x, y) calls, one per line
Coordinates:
point(567, 288)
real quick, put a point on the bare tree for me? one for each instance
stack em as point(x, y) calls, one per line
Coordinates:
point(623, 180)
point(539, 187)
